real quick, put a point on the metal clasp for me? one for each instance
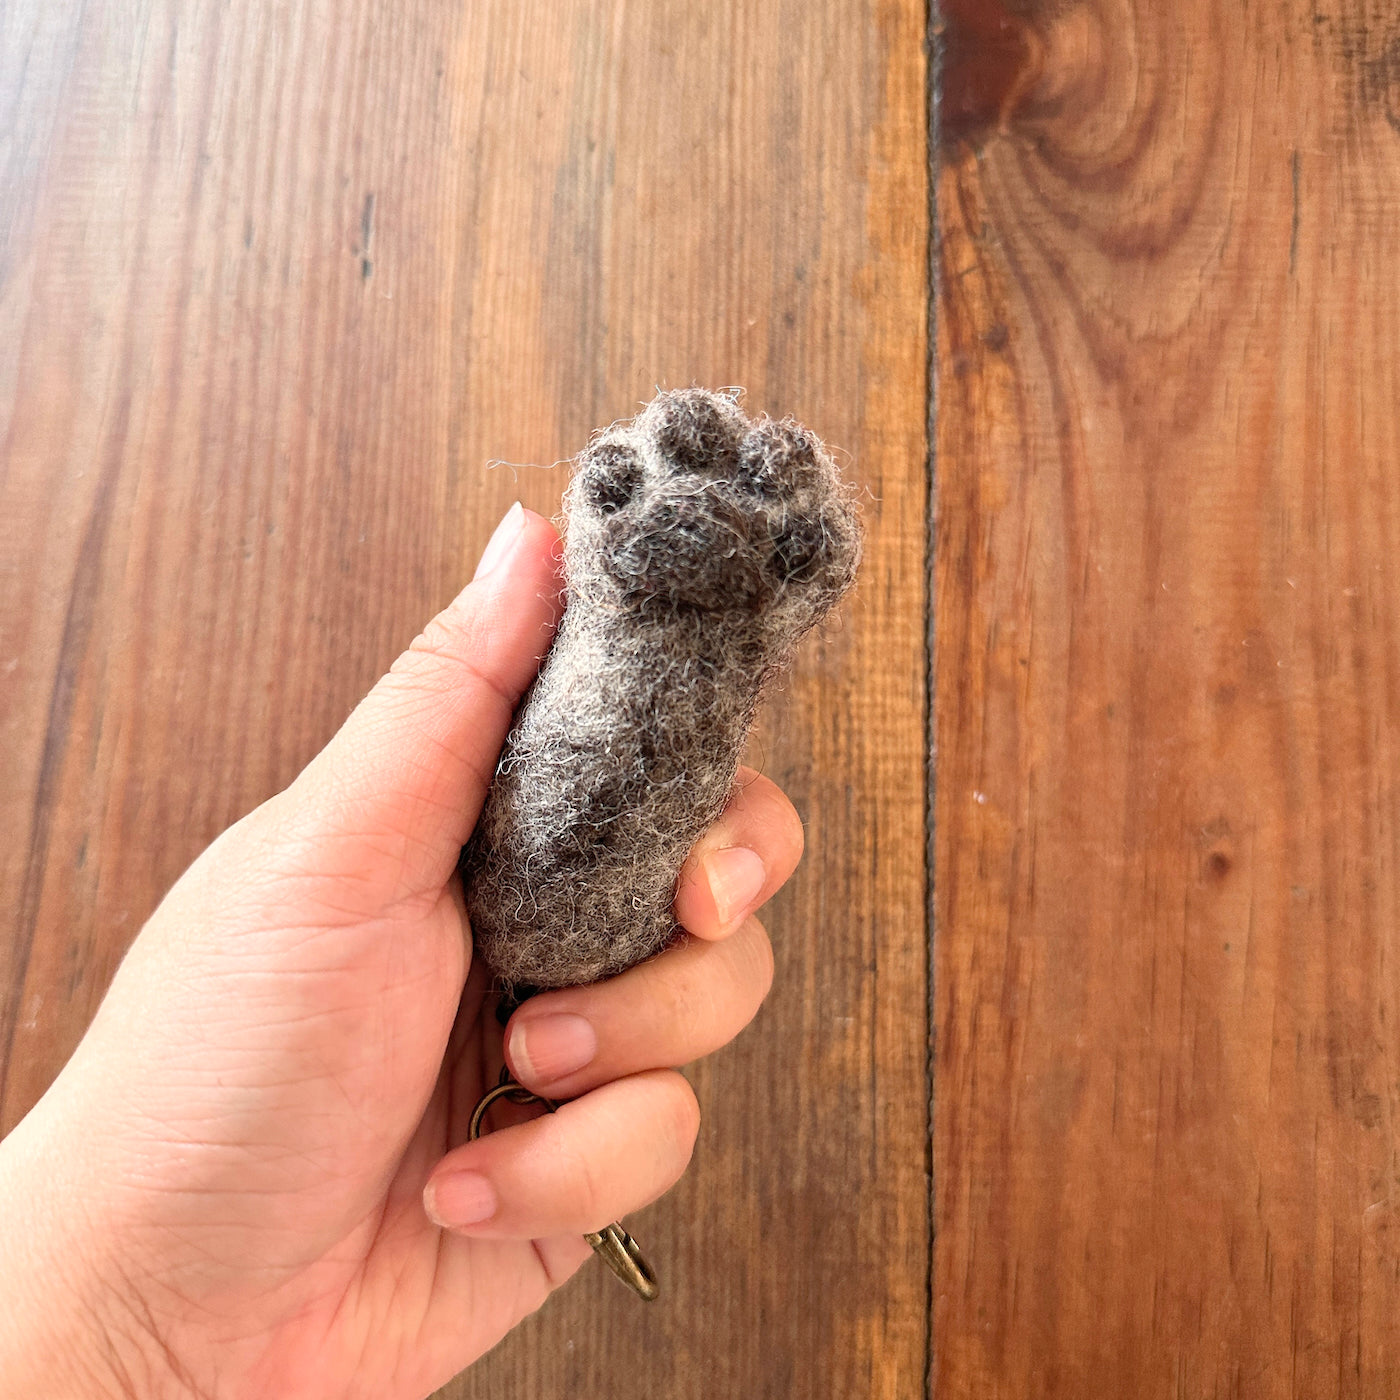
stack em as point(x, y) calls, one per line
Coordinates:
point(618, 1250)
point(620, 1253)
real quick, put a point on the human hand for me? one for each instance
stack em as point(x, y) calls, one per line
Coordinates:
point(234, 1186)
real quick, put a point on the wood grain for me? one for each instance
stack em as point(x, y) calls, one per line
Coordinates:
point(278, 283)
point(1168, 660)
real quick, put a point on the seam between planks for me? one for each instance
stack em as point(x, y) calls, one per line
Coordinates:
point(933, 74)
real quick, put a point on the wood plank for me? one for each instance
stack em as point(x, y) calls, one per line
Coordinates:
point(277, 282)
point(1168, 659)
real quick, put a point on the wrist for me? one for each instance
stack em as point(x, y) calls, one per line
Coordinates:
point(71, 1325)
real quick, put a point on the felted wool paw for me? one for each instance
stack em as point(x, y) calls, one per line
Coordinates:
point(699, 548)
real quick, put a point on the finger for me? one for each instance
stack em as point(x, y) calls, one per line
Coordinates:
point(613, 1151)
point(684, 1004)
point(742, 860)
point(407, 773)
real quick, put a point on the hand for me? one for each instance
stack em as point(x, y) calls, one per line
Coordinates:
point(252, 1177)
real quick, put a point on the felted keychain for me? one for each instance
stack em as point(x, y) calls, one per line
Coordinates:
point(699, 548)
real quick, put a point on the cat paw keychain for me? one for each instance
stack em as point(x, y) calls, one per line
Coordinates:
point(700, 547)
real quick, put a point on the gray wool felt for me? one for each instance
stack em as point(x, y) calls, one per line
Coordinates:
point(699, 548)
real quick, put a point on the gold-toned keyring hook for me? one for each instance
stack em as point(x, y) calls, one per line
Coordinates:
point(617, 1248)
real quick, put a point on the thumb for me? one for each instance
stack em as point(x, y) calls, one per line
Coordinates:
point(396, 792)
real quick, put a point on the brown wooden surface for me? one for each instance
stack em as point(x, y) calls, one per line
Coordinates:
point(277, 282)
point(1168, 660)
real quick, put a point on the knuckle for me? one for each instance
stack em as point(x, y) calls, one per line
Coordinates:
point(578, 1185)
point(435, 638)
point(682, 1010)
point(680, 1119)
point(437, 642)
point(725, 998)
point(754, 954)
point(442, 659)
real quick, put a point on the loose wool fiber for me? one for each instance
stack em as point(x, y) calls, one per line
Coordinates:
point(699, 548)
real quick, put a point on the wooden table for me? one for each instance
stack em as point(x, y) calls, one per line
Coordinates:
point(296, 298)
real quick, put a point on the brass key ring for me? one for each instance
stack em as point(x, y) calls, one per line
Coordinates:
point(617, 1248)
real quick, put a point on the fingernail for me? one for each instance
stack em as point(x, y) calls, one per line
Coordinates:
point(549, 1047)
point(498, 546)
point(459, 1198)
point(735, 876)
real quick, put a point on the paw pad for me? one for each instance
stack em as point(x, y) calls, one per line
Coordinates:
point(692, 505)
point(610, 474)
